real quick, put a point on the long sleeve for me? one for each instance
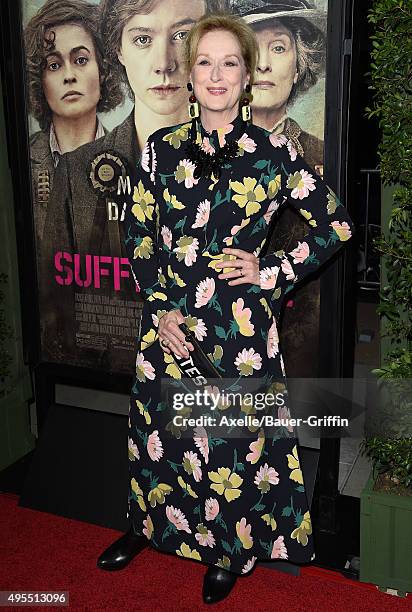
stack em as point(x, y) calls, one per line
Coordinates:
point(141, 229)
point(330, 226)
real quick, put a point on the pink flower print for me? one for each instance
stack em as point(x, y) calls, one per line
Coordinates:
point(256, 448)
point(243, 531)
point(265, 476)
point(202, 214)
point(154, 446)
point(272, 343)
point(247, 144)
point(144, 368)
point(167, 236)
point(207, 146)
point(287, 269)
point(204, 536)
point(249, 565)
point(148, 527)
point(248, 360)
point(144, 162)
point(273, 206)
point(186, 249)
point(342, 229)
point(211, 509)
point(184, 172)
point(268, 277)
point(278, 140)
point(204, 292)
point(200, 329)
point(279, 550)
point(133, 450)
point(191, 464)
point(292, 151)
point(301, 185)
point(284, 414)
point(235, 230)
point(300, 253)
point(202, 442)
point(177, 518)
point(154, 164)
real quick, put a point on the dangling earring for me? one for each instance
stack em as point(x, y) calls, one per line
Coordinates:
point(193, 107)
point(245, 104)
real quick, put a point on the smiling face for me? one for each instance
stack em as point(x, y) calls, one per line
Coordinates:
point(71, 75)
point(276, 69)
point(219, 73)
point(151, 52)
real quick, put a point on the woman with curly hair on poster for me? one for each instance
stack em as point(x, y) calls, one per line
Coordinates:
point(69, 82)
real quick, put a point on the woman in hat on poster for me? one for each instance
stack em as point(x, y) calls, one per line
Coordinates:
point(292, 52)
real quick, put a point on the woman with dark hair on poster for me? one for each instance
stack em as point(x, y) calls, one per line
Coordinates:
point(292, 53)
point(69, 83)
point(143, 42)
point(196, 223)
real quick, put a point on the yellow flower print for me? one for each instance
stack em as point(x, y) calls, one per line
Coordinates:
point(270, 521)
point(266, 306)
point(148, 339)
point(226, 483)
point(172, 200)
point(144, 250)
point(143, 208)
point(157, 295)
point(242, 317)
point(158, 494)
point(248, 194)
point(342, 230)
point(301, 532)
point(219, 257)
point(144, 412)
point(172, 369)
point(139, 494)
point(224, 562)
point(185, 551)
point(332, 202)
point(293, 464)
point(186, 487)
point(148, 527)
point(174, 275)
point(274, 186)
point(308, 216)
point(178, 136)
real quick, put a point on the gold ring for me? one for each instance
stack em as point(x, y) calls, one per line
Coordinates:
point(165, 343)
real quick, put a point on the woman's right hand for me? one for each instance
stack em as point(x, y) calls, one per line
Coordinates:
point(169, 331)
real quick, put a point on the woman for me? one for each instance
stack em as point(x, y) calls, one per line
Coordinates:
point(68, 84)
point(143, 40)
point(292, 51)
point(203, 198)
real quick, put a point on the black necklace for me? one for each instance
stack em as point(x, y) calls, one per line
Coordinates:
point(207, 163)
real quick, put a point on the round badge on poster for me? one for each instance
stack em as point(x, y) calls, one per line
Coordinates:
point(105, 171)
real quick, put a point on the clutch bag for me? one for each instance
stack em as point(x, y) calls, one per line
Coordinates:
point(197, 364)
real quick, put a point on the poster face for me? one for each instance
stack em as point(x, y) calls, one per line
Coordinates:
point(101, 77)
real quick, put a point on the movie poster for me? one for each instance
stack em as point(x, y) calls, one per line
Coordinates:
point(103, 76)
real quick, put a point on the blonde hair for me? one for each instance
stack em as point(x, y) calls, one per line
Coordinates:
point(230, 23)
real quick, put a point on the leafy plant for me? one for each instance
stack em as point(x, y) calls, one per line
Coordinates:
point(391, 76)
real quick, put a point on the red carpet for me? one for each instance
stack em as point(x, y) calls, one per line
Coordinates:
point(43, 552)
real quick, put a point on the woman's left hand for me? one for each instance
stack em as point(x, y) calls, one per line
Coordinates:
point(246, 264)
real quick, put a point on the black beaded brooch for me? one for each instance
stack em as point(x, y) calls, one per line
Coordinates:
point(207, 163)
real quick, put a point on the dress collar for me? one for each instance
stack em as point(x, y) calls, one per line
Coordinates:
point(219, 137)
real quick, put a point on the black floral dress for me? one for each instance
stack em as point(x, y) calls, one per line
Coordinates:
point(230, 500)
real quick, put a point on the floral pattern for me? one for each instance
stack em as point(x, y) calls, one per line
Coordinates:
point(222, 500)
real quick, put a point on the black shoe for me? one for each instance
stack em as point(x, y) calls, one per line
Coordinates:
point(217, 584)
point(122, 551)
